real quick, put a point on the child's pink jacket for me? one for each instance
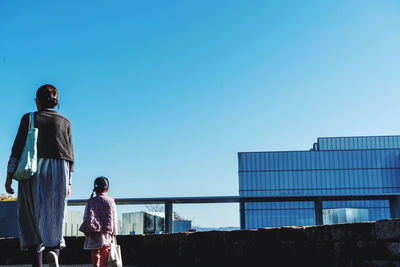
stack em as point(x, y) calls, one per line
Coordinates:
point(99, 215)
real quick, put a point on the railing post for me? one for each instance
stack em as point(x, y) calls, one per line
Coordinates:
point(168, 216)
point(242, 215)
point(394, 204)
point(318, 211)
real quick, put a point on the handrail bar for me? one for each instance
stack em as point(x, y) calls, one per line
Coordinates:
point(394, 203)
point(238, 199)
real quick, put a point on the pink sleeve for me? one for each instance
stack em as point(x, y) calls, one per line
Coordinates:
point(115, 230)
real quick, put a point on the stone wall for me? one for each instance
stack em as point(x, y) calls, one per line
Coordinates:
point(8, 219)
point(358, 244)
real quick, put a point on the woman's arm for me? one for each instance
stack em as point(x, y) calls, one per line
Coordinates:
point(72, 148)
point(71, 164)
point(16, 151)
point(20, 139)
point(9, 182)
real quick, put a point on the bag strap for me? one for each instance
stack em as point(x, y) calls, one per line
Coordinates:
point(31, 121)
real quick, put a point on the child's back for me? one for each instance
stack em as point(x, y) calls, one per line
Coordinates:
point(99, 215)
point(99, 223)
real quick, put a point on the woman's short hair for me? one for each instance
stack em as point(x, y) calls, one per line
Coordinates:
point(47, 96)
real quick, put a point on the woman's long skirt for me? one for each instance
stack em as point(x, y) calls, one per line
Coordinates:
point(42, 202)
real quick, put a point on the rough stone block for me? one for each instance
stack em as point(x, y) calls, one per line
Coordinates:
point(207, 238)
point(318, 233)
point(287, 233)
point(394, 250)
point(131, 247)
point(11, 253)
point(388, 229)
point(361, 249)
point(366, 263)
point(241, 237)
point(353, 231)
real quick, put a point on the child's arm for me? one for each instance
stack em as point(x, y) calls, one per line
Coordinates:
point(85, 215)
point(115, 230)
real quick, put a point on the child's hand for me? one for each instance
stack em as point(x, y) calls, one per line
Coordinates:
point(68, 191)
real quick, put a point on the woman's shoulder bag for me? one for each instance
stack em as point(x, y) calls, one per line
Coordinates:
point(27, 165)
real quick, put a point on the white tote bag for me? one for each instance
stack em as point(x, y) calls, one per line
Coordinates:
point(27, 165)
point(115, 258)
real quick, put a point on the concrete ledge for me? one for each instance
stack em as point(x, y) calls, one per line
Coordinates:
point(358, 244)
point(63, 265)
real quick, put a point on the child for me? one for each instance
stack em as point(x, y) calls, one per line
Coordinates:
point(99, 222)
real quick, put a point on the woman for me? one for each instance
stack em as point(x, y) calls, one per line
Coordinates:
point(42, 199)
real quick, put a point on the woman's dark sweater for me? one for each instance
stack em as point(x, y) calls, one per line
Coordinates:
point(54, 136)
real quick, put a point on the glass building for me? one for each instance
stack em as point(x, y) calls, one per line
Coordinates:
point(181, 226)
point(334, 166)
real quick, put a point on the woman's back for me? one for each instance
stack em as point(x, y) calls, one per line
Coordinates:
point(54, 136)
point(42, 198)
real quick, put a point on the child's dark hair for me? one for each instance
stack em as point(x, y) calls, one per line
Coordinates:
point(48, 96)
point(101, 184)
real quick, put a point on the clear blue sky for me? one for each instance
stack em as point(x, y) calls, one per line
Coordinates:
point(163, 94)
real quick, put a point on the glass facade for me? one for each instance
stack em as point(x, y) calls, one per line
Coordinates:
point(359, 142)
point(181, 226)
point(335, 166)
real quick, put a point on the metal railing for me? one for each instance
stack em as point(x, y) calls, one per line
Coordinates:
point(394, 203)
